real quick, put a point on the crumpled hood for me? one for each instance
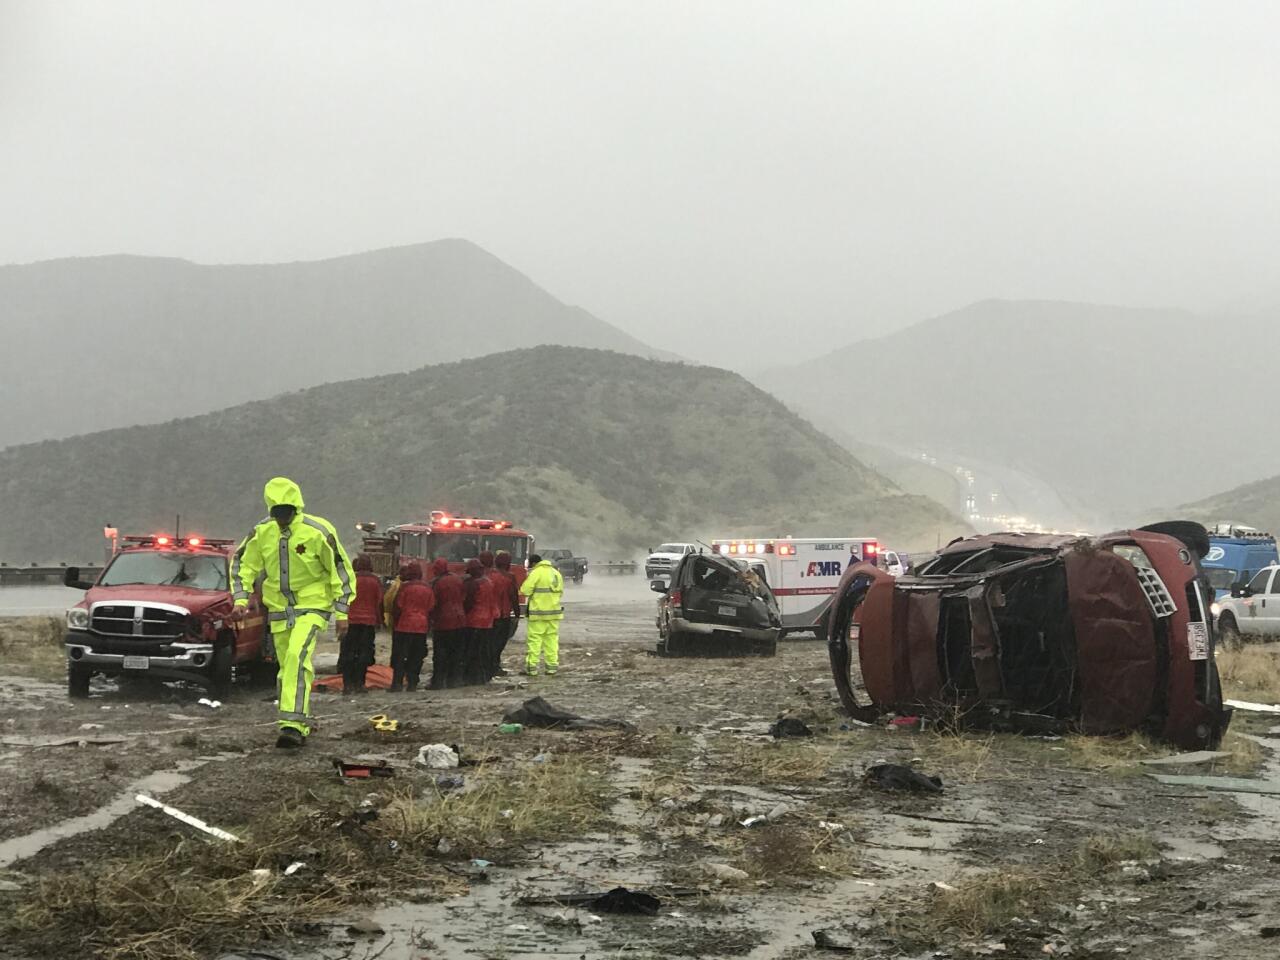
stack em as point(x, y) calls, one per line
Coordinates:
point(474, 568)
point(282, 491)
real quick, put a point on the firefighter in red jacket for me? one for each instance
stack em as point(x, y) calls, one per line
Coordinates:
point(477, 601)
point(448, 626)
point(356, 651)
point(414, 603)
point(508, 591)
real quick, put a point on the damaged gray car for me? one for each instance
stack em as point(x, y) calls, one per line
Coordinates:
point(715, 607)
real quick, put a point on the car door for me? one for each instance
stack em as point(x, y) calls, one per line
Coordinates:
point(1251, 608)
point(1268, 604)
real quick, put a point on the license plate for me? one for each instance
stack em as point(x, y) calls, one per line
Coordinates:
point(728, 611)
point(137, 663)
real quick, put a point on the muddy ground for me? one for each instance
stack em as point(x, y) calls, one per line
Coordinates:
point(1045, 847)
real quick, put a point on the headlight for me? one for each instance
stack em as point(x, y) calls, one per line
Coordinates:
point(77, 618)
point(1215, 608)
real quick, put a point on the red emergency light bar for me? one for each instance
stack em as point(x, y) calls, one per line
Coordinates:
point(440, 519)
point(164, 540)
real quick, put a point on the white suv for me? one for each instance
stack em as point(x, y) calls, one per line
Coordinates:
point(663, 561)
point(1252, 611)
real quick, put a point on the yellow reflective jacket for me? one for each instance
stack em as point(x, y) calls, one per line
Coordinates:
point(304, 569)
point(544, 586)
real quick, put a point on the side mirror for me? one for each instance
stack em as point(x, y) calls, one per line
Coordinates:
point(71, 578)
point(1239, 589)
point(659, 586)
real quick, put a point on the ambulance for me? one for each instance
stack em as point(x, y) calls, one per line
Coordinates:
point(802, 573)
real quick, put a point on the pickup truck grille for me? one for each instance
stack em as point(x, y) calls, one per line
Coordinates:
point(136, 620)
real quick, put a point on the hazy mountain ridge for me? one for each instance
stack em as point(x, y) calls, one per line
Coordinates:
point(584, 446)
point(1116, 407)
point(1254, 504)
point(102, 342)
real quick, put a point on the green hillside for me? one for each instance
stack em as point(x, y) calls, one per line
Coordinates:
point(597, 450)
point(1254, 505)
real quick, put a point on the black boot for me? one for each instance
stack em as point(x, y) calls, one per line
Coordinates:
point(290, 739)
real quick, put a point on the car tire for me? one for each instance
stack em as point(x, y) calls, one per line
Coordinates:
point(221, 672)
point(1229, 635)
point(78, 680)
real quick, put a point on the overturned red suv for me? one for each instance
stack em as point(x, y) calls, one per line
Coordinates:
point(1033, 632)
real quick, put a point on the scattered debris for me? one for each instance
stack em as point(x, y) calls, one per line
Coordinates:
point(941, 886)
point(366, 928)
point(722, 871)
point(836, 940)
point(186, 818)
point(437, 756)
point(294, 867)
point(510, 728)
point(447, 782)
point(1186, 759)
point(617, 900)
point(1253, 707)
point(790, 727)
point(1229, 784)
point(541, 758)
point(537, 712)
point(90, 726)
point(17, 741)
point(895, 776)
point(754, 821)
point(362, 770)
point(211, 704)
point(384, 724)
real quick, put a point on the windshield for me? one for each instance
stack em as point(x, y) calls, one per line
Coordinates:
point(199, 571)
point(670, 548)
point(1221, 578)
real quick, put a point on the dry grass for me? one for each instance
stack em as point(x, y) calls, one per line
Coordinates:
point(790, 852)
point(1119, 756)
point(33, 646)
point(1250, 673)
point(192, 899)
point(1246, 754)
point(564, 797)
point(1101, 852)
point(765, 764)
point(989, 902)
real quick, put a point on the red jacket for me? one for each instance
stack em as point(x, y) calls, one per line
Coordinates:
point(366, 609)
point(506, 600)
point(414, 604)
point(449, 594)
point(478, 601)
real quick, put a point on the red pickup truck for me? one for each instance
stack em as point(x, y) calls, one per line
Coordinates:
point(158, 609)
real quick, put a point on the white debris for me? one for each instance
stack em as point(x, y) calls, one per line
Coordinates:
point(437, 756)
point(722, 871)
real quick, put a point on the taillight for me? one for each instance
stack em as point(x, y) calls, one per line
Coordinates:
point(870, 551)
point(675, 597)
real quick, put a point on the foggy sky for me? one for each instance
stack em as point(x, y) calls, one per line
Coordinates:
point(693, 172)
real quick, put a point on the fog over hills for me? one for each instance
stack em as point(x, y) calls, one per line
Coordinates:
point(1111, 408)
point(589, 448)
point(100, 342)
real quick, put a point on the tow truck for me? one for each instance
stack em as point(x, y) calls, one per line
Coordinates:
point(158, 609)
point(457, 539)
point(802, 573)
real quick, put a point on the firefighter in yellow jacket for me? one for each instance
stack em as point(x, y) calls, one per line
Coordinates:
point(544, 587)
point(306, 579)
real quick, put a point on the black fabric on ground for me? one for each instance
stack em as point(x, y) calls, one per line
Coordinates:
point(790, 727)
point(536, 712)
point(894, 776)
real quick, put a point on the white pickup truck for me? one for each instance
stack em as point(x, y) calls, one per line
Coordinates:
point(1252, 611)
point(663, 561)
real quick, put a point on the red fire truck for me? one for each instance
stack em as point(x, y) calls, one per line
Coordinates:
point(457, 539)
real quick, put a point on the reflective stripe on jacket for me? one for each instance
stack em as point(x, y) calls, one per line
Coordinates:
point(304, 567)
point(545, 589)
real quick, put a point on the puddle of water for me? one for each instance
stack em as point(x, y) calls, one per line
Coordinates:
point(160, 782)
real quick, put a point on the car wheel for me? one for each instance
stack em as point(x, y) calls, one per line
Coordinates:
point(221, 672)
point(1229, 633)
point(78, 680)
